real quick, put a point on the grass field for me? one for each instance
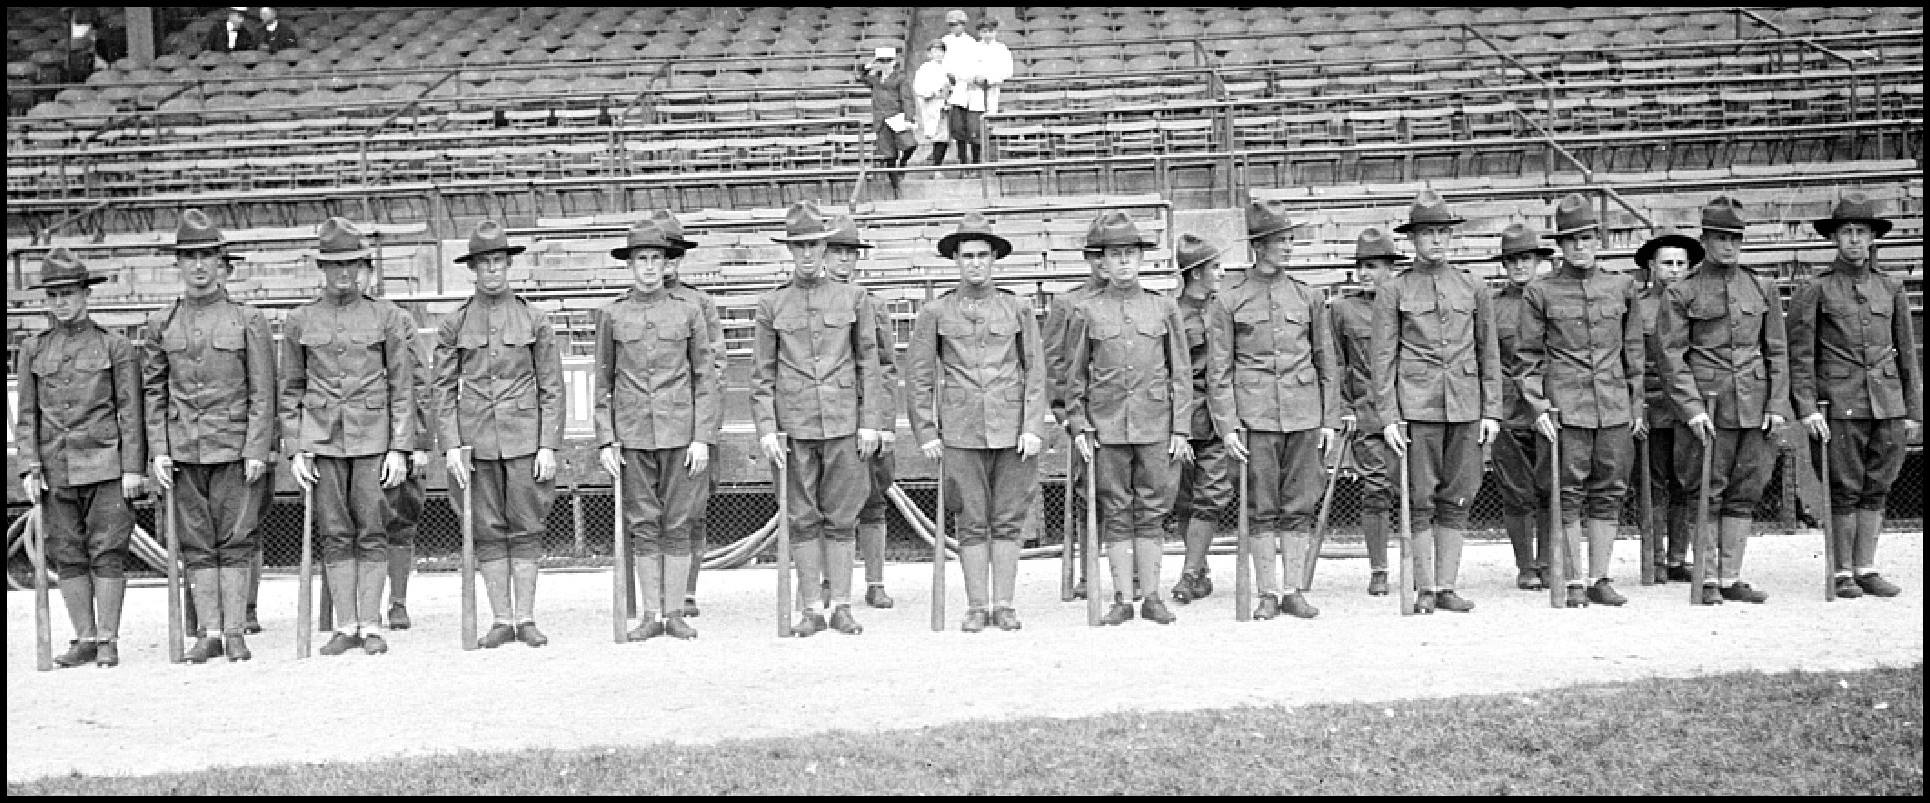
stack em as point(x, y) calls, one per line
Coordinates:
point(1803, 733)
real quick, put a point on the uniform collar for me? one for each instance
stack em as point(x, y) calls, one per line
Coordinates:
point(217, 297)
point(1850, 270)
point(966, 291)
point(1424, 266)
point(344, 300)
point(1512, 289)
point(1096, 283)
point(638, 294)
point(1120, 290)
point(81, 323)
point(1573, 272)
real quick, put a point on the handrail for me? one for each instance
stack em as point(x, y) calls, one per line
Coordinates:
point(47, 233)
point(1617, 198)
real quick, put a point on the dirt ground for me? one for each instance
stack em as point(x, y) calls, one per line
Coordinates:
point(738, 680)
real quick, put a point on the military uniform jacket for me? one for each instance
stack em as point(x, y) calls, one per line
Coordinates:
point(209, 381)
point(1508, 314)
point(1192, 315)
point(814, 362)
point(657, 383)
point(1274, 368)
point(348, 385)
point(1580, 348)
point(79, 419)
point(498, 380)
point(1435, 353)
point(888, 378)
point(1128, 377)
point(985, 348)
point(1057, 318)
point(1353, 321)
point(1850, 344)
point(714, 325)
point(1722, 331)
point(1655, 387)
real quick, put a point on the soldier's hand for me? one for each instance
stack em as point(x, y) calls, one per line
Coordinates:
point(1235, 446)
point(1771, 422)
point(1326, 440)
point(1178, 449)
point(418, 460)
point(458, 468)
point(1818, 426)
point(774, 448)
point(395, 469)
point(164, 472)
point(1030, 445)
point(867, 442)
point(886, 438)
point(33, 485)
point(302, 465)
point(1490, 428)
point(1392, 434)
point(934, 449)
point(1912, 429)
point(697, 458)
point(1704, 429)
point(253, 470)
point(1641, 429)
point(1545, 424)
point(133, 485)
point(1083, 443)
point(545, 468)
point(611, 457)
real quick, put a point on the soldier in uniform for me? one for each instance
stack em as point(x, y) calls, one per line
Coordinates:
point(1128, 392)
point(673, 231)
point(1661, 262)
point(405, 511)
point(498, 396)
point(348, 411)
point(1205, 487)
point(1276, 403)
point(841, 258)
point(657, 409)
point(1722, 331)
point(977, 382)
point(82, 452)
point(814, 381)
point(1523, 515)
point(1850, 344)
point(1437, 367)
point(209, 380)
point(1580, 351)
point(1353, 320)
point(1053, 333)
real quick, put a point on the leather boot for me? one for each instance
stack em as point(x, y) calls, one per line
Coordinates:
point(1681, 526)
point(975, 562)
point(1447, 600)
point(1156, 610)
point(675, 627)
point(207, 605)
point(1874, 584)
point(1295, 605)
point(1843, 536)
point(340, 643)
point(1711, 595)
point(1741, 592)
point(254, 593)
point(1521, 536)
point(1006, 619)
point(1846, 587)
point(1373, 525)
point(77, 595)
point(522, 579)
point(204, 647)
point(401, 563)
point(237, 648)
point(1602, 593)
point(1268, 607)
point(842, 621)
point(1577, 598)
point(254, 621)
point(840, 559)
point(107, 653)
point(79, 653)
point(1377, 584)
point(975, 620)
point(1005, 573)
point(1294, 545)
point(1424, 602)
point(647, 628)
point(109, 594)
point(497, 635)
point(527, 633)
point(1120, 612)
point(1601, 546)
point(808, 622)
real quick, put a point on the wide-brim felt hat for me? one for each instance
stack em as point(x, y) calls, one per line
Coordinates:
point(338, 240)
point(1429, 209)
point(1193, 252)
point(1723, 213)
point(60, 268)
point(1853, 207)
point(803, 223)
point(197, 232)
point(1519, 238)
point(647, 233)
point(1264, 221)
point(844, 232)
point(1114, 227)
point(1574, 214)
point(1372, 243)
point(974, 226)
point(674, 230)
point(1669, 238)
point(488, 237)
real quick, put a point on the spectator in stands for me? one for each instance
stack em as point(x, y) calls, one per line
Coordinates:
point(958, 31)
point(976, 68)
point(995, 62)
point(930, 86)
point(892, 107)
point(276, 35)
point(233, 35)
point(85, 48)
point(961, 63)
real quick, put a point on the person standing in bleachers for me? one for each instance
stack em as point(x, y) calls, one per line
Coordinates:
point(276, 34)
point(994, 69)
point(977, 382)
point(1205, 487)
point(233, 35)
point(817, 403)
point(892, 109)
point(348, 413)
point(1437, 367)
point(659, 403)
point(498, 399)
point(961, 59)
point(1722, 331)
point(1851, 344)
point(209, 381)
point(932, 87)
point(1579, 350)
point(841, 261)
point(1129, 397)
point(1352, 314)
point(1661, 262)
point(1058, 317)
point(82, 454)
point(1523, 515)
point(1276, 404)
point(673, 231)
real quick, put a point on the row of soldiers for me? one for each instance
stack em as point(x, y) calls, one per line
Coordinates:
point(1424, 366)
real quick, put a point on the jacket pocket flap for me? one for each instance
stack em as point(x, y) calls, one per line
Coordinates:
point(317, 337)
